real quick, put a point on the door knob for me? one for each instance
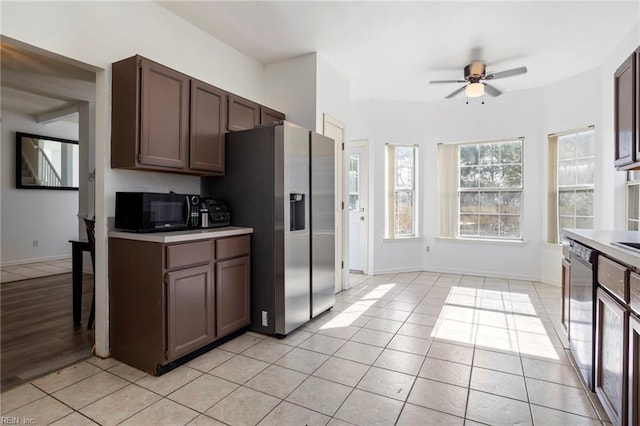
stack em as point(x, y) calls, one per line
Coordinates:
point(361, 217)
point(361, 209)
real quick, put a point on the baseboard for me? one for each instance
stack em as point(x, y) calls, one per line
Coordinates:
point(34, 260)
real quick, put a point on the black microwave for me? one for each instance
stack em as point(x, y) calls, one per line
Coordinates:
point(156, 212)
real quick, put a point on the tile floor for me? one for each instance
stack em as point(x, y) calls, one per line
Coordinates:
point(34, 270)
point(407, 349)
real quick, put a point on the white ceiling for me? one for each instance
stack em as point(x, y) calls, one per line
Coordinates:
point(391, 50)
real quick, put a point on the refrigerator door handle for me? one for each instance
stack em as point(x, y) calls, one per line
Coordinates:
point(297, 212)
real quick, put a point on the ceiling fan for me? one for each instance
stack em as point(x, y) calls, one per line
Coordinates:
point(475, 78)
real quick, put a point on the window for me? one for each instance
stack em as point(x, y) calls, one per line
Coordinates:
point(401, 199)
point(354, 182)
point(633, 201)
point(571, 159)
point(480, 188)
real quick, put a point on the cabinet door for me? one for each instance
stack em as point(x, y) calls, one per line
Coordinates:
point(268, 115)
point(232, 291)
point(634, 371)
point(611, 347)
point(566, 299)
point(624, 113)
point(208, 121)
point(190, 302)
point(164, 116)
point(243, 114)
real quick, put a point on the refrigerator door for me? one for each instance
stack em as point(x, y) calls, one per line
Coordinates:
point(322, 223)
point(293, 292)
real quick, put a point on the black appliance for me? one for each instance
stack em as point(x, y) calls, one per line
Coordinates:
point(155, 212)
point(582, 293)
point(214, 213)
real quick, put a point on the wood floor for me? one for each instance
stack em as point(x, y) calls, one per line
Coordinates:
point(37, 331)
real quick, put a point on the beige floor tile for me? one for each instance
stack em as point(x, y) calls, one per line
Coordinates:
point(163, 412)
point(422, 319)
point(551, 372)
point(414, 415)
point(372, 337)
point(392, 314)
point(449, 352)
point(342, 371)
point(120, 405)
point(127, 372)
point(203, 420)
point(239, 369)
point(499, 383)
point(277, 381)
point(19, 396)
point(243, 407)
point(531, 324)
point(267, 351)
point(42, 411)
point(359, 352)
point(547, 353)
point(387, 383)
point(380, 324)
point(497, 410)
point(210, 360)
point(497, 361)
point(439, 396)
point(203, 392)
point(323, 344)
point(410, 344)
point(445, 371)
point(287, 413)
point(74, 419)
point(240, 343)
point(565, 398)
point(170, 381)
point(104, 363)
point(65, 377)
point(89, 390)
point(548, 416)
point(403, 362)
point(293, 339)
point(320, 395)
point(341, 332)
point(302, 360)
point(364, 408)
point(405, 303)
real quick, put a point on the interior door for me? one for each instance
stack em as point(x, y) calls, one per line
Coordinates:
point(358, 206)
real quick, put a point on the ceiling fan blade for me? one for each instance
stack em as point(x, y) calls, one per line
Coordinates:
point(446, 81)
point(507, 73)
point(492, 90)
point(455, 92)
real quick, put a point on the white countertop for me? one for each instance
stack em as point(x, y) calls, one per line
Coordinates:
point(601, 239)
point(181, 236)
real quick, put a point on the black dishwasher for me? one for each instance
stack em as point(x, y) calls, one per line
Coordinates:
point(582, 307)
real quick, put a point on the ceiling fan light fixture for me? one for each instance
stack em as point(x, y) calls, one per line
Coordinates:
point(474, 90)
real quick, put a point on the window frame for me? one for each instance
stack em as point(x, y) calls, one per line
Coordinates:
point(392, 190)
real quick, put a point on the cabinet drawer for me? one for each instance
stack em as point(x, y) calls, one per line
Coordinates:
point(634, 290)
point(182, 255)
point(232, 247)
point(613, 277)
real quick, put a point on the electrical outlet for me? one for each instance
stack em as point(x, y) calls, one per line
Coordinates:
point(265, 322)
point(35, 243)
point(428, 248)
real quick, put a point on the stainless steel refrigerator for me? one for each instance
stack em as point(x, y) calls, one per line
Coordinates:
point(279, 180)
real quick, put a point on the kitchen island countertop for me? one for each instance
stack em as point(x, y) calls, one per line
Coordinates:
point(601, 239)
point(181, 236)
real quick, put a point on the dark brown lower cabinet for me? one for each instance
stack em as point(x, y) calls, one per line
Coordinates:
point(611, 356)
point(566, 298)
point(232, 288)
point(190, 310)
point(634, 370)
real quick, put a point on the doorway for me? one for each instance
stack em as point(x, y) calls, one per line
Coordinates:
point(334, 129)
point(358, 205)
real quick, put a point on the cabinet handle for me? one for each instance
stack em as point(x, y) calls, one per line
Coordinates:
point(166, 279)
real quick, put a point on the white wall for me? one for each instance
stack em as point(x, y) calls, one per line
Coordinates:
point(332, 93)
point(48, 216)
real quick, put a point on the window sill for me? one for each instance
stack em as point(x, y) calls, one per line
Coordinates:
point(400, 239)
point(483, 241)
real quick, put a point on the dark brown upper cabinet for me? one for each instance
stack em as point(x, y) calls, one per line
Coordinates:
point(208, 121)
point(243, 114)
point(627, 149)
point(268, 115)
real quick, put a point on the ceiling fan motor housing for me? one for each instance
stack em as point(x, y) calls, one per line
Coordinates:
point(474, 71)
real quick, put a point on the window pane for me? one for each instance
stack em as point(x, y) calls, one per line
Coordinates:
point(468, 177)
point(510, 226)
point(404, 200)
point(401, 186)
point(404, 178)
point(633, 202)
point(489, 225)
point(404, 224)
point(468, 202)
point(354, 162)
point(468, 224)
point(353, 183)
point(566, 173)
point(511, 202)
point(490, 176)
point(353, 202)
point(404, 156)
point(632, 225)
point(511, 177)
point(584, 171)
point(584, 223)
point(469, 155)
point(565, 203)
point(566, 147)
point(489, 153)
point(567, 222)
point(488, 202)
point(511, 152)
point(584, 203)
point(585, 145)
